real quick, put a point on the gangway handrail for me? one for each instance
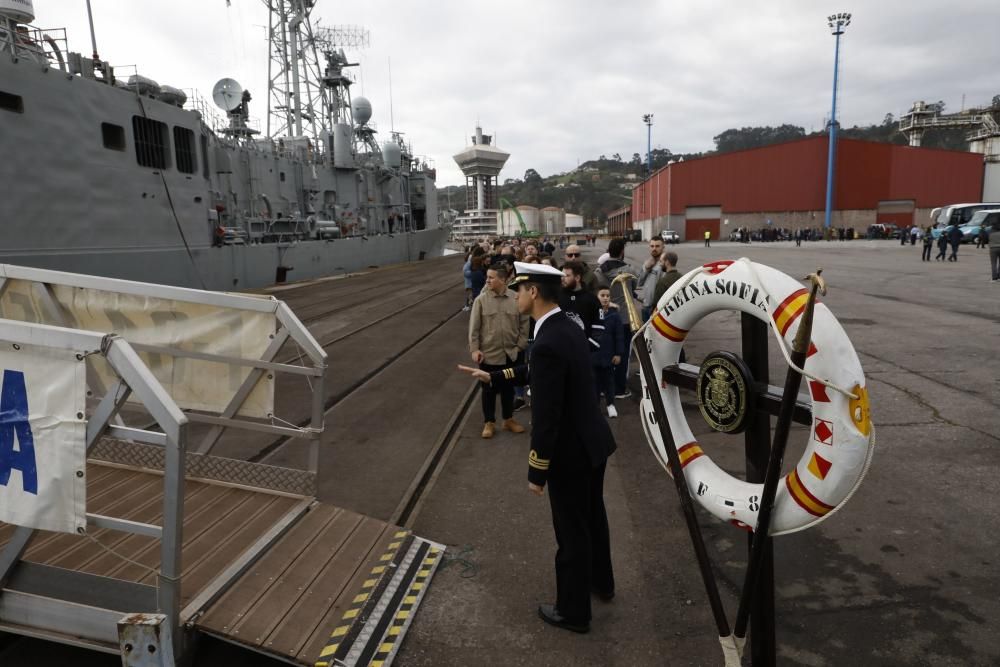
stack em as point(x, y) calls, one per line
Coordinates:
point(258, 368)
point(134, 377)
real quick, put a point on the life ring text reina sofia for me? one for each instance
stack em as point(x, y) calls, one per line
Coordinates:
point(841, 437)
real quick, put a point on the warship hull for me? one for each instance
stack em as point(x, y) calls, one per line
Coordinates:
point(237, 267)
point(133, 181)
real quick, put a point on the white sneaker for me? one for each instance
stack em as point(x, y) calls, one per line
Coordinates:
point(612, 413)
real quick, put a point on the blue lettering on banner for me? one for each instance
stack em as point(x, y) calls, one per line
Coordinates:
point(14, 423)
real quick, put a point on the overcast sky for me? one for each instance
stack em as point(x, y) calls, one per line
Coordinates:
point(561, 81)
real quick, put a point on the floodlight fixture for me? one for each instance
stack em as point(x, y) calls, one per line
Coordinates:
point(838, 22)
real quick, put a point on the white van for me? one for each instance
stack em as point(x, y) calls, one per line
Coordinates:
point(960, 214)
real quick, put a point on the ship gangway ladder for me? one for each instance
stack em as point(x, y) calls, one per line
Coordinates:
point(178, 543)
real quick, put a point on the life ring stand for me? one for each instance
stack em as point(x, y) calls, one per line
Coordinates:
point(841, 437)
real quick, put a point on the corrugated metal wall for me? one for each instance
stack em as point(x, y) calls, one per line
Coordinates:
point(792, 177)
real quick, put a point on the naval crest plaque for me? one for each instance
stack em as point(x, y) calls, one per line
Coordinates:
point(725, 392)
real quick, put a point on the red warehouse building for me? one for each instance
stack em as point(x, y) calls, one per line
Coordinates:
point(786, 184)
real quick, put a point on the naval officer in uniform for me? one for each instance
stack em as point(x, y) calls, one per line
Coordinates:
point(570, 444)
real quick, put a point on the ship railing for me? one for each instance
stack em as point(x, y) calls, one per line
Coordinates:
point(43, 44)
point(50, 357)
point(218, 355)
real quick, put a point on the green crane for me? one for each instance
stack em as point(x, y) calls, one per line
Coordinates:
point(524, 233)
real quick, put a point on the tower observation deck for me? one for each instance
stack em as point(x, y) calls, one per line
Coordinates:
point(481, 163)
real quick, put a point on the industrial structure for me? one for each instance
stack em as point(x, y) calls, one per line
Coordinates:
point(620, 221)
point(983, 134)
point(548, 221)
point(481, 163)
point(784, 185)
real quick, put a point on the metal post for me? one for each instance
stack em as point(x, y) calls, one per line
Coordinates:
point(758, 447)
point(93, 37)
point(837, 24)
point(169, 594)
point(776, 456)
point(648, 120)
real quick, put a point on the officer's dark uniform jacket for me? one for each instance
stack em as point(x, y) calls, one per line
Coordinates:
point(568, 430)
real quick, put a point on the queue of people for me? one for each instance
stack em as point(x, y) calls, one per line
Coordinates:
point(561, 329)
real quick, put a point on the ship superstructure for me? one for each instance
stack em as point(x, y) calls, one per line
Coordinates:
point(130, 179)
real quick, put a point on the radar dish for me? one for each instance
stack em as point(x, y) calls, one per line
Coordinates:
point(227, 94)
point(361, 109)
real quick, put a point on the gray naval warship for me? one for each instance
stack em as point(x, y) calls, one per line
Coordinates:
point(126, 178)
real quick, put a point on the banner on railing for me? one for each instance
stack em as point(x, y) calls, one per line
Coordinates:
point(43, 438)
point(197, 384)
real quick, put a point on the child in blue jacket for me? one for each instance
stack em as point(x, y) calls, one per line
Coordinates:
point(612, 351)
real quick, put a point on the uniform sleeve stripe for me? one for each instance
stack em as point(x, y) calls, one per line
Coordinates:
point(537, 463)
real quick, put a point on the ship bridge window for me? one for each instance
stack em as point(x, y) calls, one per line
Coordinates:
point(184, 149)
point(150, 142)
point(10, 102)
point(114, 136)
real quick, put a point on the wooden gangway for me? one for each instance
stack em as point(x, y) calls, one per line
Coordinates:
point(272, 571)
point(131, 540)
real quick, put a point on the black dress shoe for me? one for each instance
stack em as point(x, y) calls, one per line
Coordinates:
point(604, 596)
point(550, 615)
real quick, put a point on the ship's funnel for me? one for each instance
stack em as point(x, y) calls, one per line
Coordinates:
point(22, 11)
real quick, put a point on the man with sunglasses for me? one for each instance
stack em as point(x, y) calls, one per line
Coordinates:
point(589, 281)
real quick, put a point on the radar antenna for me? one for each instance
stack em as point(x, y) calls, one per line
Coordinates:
point(298, 93)
point(227, 94)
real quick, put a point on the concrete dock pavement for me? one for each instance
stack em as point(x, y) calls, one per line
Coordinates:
point(904, 574)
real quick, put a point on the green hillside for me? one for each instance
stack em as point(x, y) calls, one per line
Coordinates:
point(602, 185)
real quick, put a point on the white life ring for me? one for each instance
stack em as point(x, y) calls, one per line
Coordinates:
point(841, 439)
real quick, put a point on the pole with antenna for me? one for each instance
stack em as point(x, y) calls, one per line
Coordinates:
point(93, 37)
point(392, 122)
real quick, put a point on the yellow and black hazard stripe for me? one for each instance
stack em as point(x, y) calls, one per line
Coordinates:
point(362, 604)
point(667, 329)
point(404, 613)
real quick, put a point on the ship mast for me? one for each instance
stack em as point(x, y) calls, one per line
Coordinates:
point(298, 95)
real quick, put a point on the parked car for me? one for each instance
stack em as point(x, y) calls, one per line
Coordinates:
point(980, 219)
point(670, 236)
point(884, 230)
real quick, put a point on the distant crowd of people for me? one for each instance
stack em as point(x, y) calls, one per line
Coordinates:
point(498, 337)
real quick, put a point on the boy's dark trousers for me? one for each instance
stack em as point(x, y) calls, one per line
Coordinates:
point(506, 392)
point(604, 381)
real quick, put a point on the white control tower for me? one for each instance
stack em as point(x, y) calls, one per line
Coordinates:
point(481, 163)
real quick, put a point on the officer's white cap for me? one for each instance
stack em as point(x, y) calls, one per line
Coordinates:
point(535, 273)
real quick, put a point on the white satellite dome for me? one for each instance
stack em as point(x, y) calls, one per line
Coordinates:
point(22, 11)
point(361, 109)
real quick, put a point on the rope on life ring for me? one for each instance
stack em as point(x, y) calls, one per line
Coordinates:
point(841, 438)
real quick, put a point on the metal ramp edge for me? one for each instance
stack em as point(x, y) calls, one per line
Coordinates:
point(371, 632)
point(337, 588)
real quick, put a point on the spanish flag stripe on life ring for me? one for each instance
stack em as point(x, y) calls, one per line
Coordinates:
point(689, 452)
point(668, 330)
point(789, 309)
point(800, 494)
